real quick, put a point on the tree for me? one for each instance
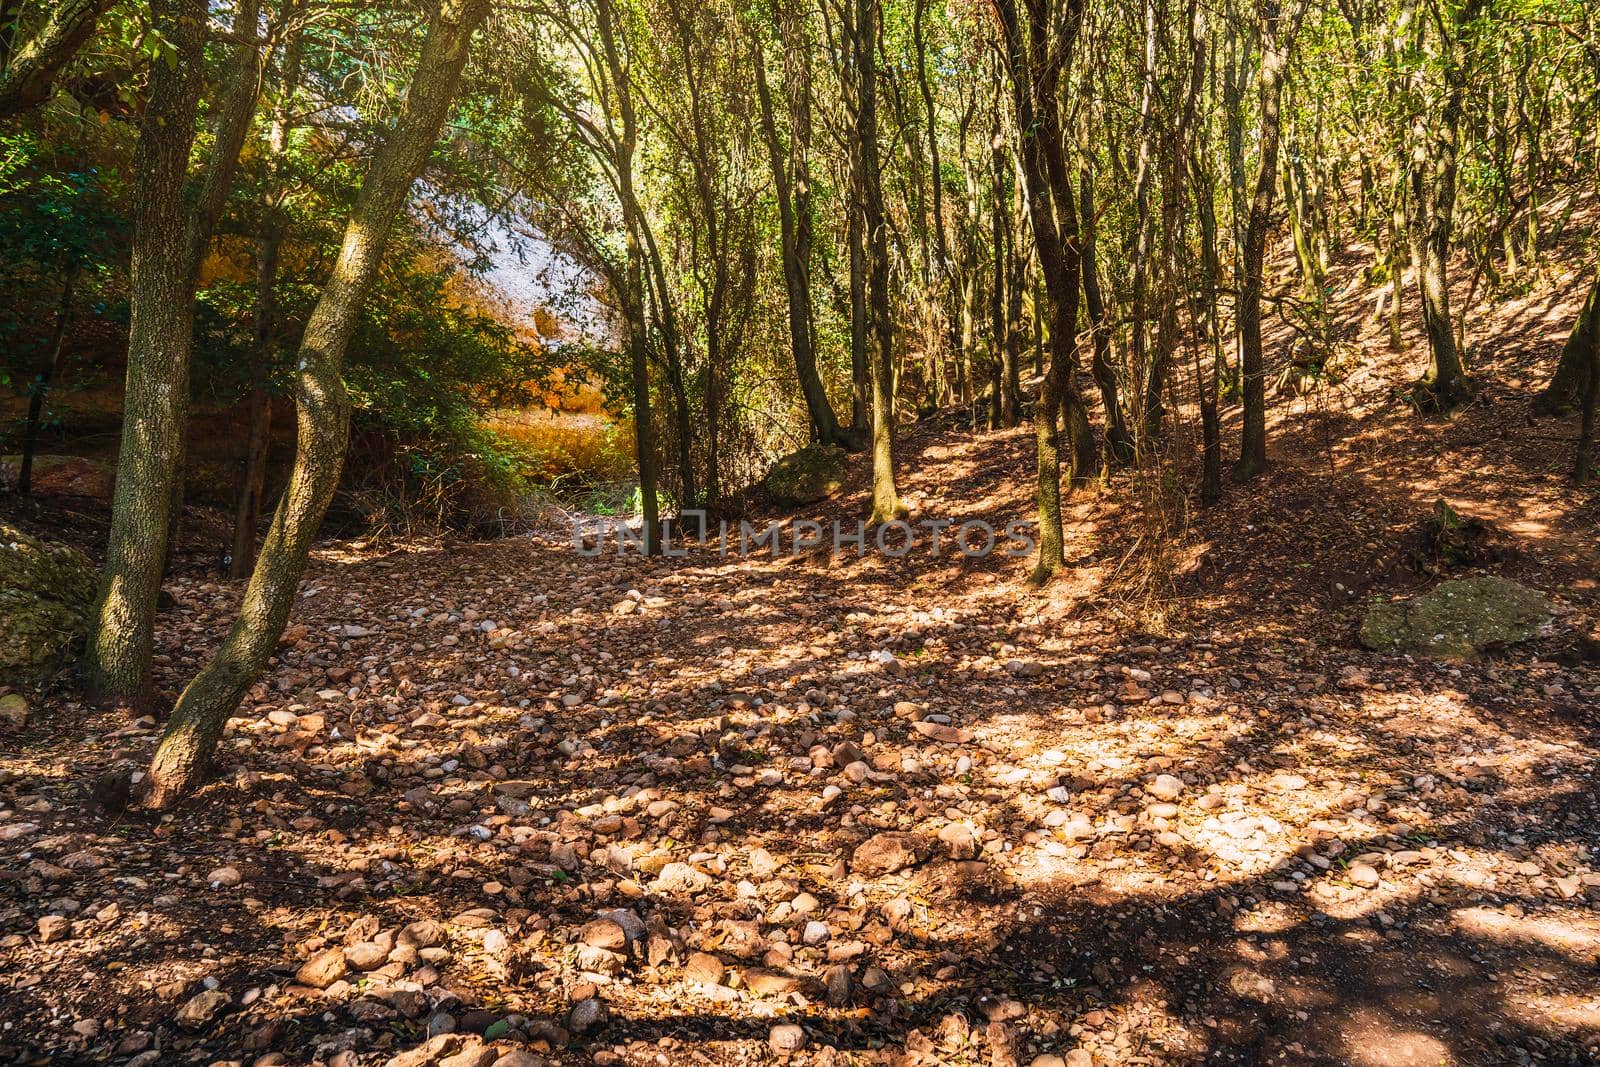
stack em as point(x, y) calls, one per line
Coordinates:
point(886, 504)
point(265, 325)
point(1277, 27)
point(1432, 195)
point(28, 71)
point(791, 177)
point(1038, 51)
point(116, 661)
point(1585, 341)
point(182, 761)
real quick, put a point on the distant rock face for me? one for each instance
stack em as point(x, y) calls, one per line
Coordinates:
point(45, 593)
point(62, 476)
point(814, 473)
point(1458, 619)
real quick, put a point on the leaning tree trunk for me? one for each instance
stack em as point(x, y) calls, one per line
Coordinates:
point(1585, 342)
point(1566, 388)
point(30, 69)
point(183, 759)
point(1278, 30)
point(794, 221)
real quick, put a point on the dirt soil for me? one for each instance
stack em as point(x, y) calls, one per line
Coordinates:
point(505, 802)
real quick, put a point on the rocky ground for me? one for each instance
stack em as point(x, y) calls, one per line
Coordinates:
point(505, 803)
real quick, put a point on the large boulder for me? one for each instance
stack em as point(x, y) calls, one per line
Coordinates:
point(814, 473)
point(45, 593)
point(62, 476)
point(1458, 619)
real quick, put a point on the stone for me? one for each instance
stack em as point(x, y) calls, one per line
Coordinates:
point(705, 968)
point(224, 877)
point(1166, 787)
point(1457, 619)
point(201, 1008)
point(786, 1038)
point(587, 1014)
point(323, 969)
point(13, 711)
point(1363, 875)
point(473, 1053)
point(54, 928)
point(959, 840)
point(424, 933)
point(46, 589)
point(813, 473)
point(680, 879)
point(431, 1052)
point(520, 1058)
point(366, 955)
point(606, 934)
point(886, 853)
point(946, 735)
point(770, 983)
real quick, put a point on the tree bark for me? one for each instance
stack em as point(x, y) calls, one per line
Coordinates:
point(1433, 190)
point(30, 69)
point(1278, 29)
point(1119, 445)
point(116, 661)
point(1566, 388)
point(1584, 343)
point(183, 759)
point(49, 370)
point(886, 504)
point(794, 221)
point(1037, 54)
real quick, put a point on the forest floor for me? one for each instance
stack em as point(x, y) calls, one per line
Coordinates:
point(849, 809)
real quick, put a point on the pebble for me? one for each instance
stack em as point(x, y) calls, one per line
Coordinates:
point(786, 1038)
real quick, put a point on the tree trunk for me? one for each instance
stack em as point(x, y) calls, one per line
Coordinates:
point(941, 246)
point(1203, 188)
point(880, 338)
point(183, 759)
point(258, 403)
point(1007, 394)
point(667, 320)
point(116, 661)
point(1566, 388)
point(1119, 445)
point(794, 221)
point(1278, 31)
point(860, 368)
point(1037, 54)
point(1583, 346)
point(29, 70)
point(1433, 185)
point(170, 237)
point(49, 370)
